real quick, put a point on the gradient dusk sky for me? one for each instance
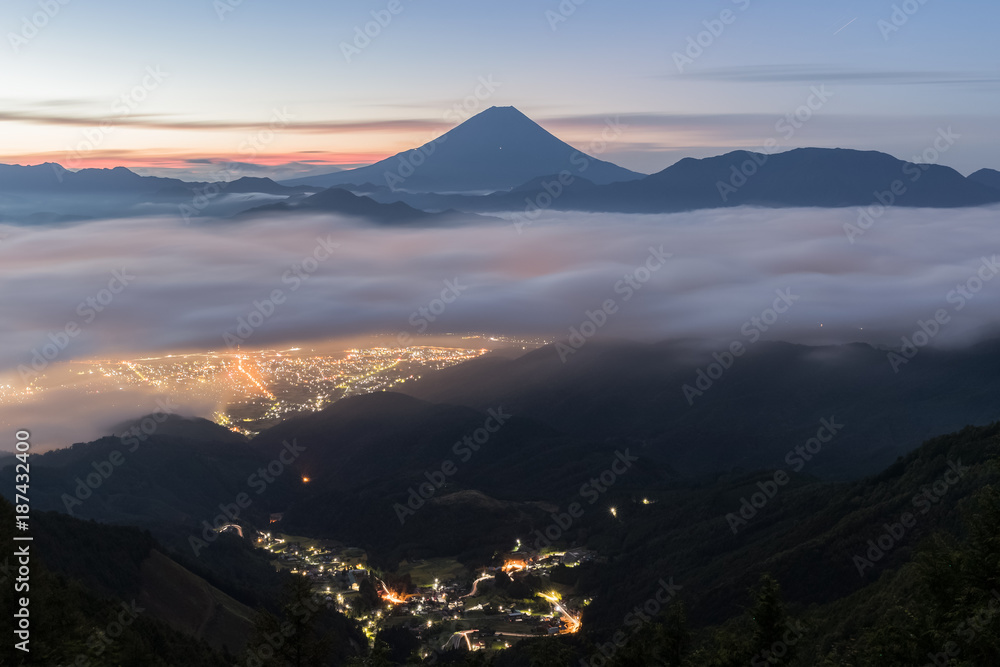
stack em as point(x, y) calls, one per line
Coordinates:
point(227, 67)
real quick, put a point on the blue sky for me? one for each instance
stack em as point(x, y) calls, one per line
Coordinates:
point(227, 70)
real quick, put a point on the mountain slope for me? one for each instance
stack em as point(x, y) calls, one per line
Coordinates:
point(365, 454)
point(988, 177)
point(886, 571)
point(770, 400)
point(166, 481)
point(497, 149)
point(87, 578)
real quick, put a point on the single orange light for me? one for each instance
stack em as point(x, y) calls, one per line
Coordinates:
point(305, 480)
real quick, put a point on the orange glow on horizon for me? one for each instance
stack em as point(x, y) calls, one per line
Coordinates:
point(218, 162)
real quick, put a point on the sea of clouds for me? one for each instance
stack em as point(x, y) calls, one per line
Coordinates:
point(189, 286)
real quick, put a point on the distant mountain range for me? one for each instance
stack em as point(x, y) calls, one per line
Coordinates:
point(816, 177)
point(51, 178)
point(343, 202)
point(502, 161)
point(48, 193)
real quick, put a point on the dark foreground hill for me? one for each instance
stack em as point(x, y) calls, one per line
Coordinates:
point(746, 505)
point(898, 569)
point(111, 595)
point(768, 401)
point(875, 572)
point(107, 595)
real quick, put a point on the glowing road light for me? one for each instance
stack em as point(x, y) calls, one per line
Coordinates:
point(614, 512)
point(391, 597)
point(573, 623)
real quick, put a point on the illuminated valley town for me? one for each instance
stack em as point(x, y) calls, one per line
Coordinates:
point(255, 389)
point(442, 603)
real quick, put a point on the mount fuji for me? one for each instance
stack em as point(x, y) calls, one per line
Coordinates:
point(495, 150)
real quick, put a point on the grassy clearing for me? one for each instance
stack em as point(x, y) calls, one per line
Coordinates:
point(425, 572)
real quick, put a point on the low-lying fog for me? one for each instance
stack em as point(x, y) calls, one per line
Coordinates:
point(131, 286)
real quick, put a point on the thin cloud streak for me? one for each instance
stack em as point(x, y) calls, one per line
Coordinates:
point(164, 122)
point(830, 74)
